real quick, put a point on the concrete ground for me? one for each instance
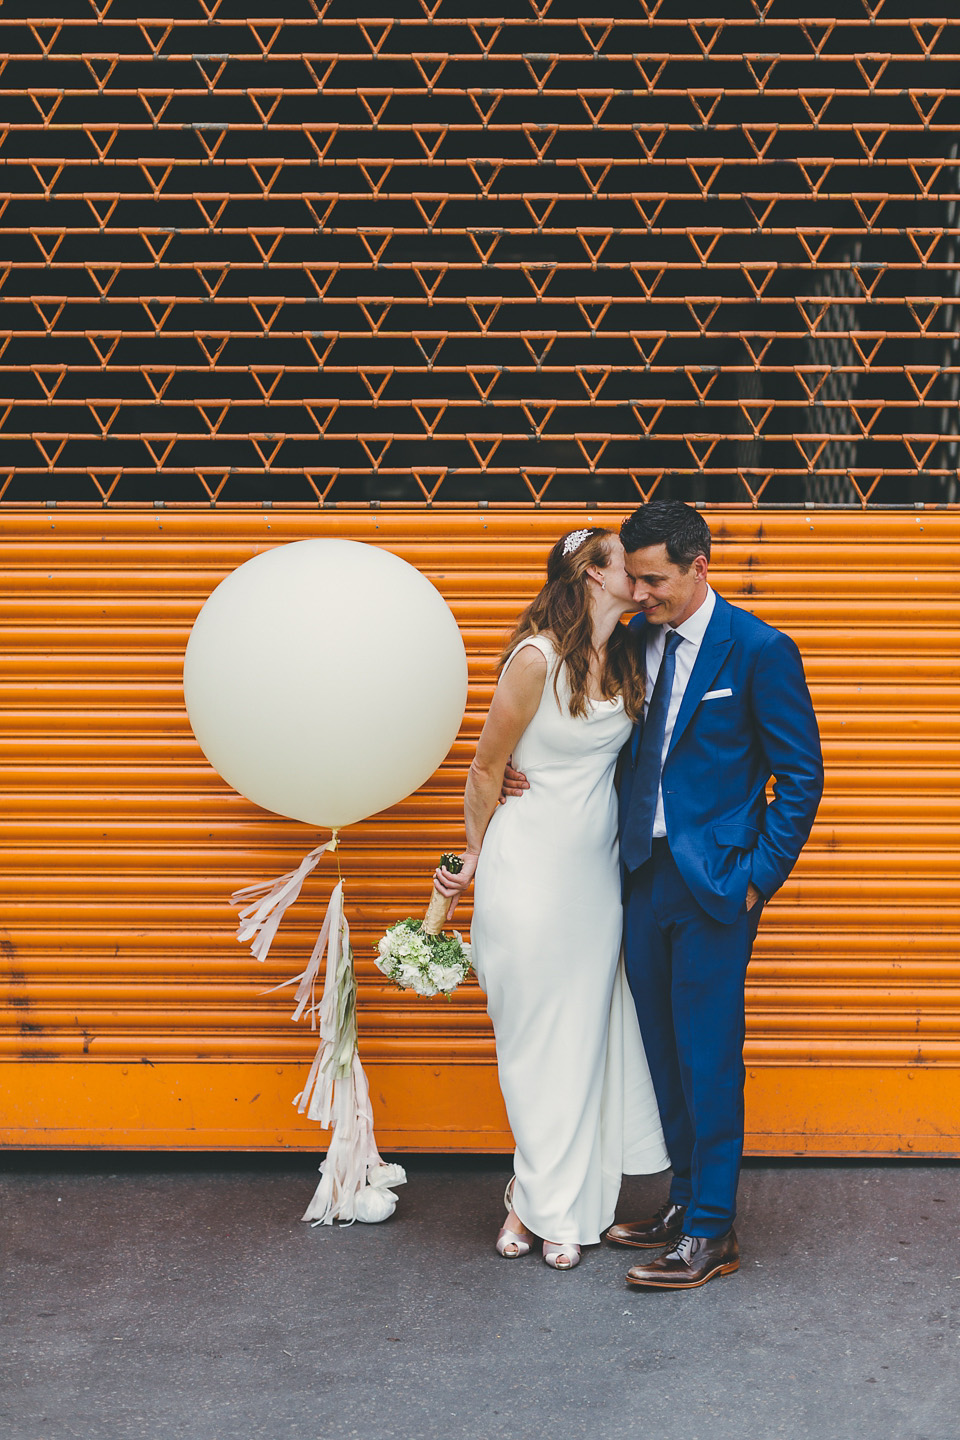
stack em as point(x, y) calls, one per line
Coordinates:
point(168, 1296)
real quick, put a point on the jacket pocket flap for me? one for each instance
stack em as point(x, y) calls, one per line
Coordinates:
point(740, 837)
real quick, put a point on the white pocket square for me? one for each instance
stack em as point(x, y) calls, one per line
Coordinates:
point(717, 694)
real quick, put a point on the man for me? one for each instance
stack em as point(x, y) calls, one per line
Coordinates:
point(727, 707)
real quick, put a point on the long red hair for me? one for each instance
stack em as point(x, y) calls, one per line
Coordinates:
point(562, 608)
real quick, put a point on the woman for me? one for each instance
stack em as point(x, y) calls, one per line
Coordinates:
point(547, 914)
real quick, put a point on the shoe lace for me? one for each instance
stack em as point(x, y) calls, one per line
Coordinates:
point(683, 1249)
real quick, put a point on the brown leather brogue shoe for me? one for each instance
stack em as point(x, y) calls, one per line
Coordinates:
point(692, 1261)
point(652, 1234)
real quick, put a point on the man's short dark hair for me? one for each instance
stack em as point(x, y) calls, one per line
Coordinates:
point(667, 522)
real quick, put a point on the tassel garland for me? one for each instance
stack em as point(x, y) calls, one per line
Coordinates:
point(354, 1182)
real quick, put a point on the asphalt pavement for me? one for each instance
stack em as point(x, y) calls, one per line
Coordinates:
point(156, 1296)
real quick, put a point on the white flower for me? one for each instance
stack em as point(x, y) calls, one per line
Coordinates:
point(409, 958)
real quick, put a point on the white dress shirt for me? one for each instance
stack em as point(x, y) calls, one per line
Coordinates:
point(691, 634)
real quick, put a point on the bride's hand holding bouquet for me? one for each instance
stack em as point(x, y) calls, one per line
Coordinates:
point(416, 954)
point(451, 883)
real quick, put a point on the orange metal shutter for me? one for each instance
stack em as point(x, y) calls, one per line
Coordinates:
point(132, 1018)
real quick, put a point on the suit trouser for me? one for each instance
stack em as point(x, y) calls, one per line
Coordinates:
point(687, 971)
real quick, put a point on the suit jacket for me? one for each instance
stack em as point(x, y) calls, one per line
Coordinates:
point(724, 748)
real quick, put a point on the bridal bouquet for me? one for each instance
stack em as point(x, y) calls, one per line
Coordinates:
point(416, 954)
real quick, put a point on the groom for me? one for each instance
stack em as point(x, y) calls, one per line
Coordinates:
point(702, 850)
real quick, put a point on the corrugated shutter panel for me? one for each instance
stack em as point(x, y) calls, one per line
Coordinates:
point(132, 1018)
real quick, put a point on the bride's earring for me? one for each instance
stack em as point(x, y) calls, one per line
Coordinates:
point(603, 584)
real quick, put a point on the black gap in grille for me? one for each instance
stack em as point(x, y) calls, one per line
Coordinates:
point(332, 257)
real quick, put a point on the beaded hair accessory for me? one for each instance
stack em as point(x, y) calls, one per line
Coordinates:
point(574, 540)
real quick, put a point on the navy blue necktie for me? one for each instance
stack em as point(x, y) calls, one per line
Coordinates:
point(637, 837)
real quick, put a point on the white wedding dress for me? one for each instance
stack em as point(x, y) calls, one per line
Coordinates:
point(546, 947)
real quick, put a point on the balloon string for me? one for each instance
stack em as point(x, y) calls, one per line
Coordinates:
point(335, 847)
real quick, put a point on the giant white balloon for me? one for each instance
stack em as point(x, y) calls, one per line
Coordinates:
point(325, 680)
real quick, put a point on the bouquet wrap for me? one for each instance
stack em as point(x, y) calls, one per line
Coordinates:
point(435, 918)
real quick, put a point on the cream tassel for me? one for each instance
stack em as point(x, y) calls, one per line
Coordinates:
point(353, 1176)
point(354, 1179)
point(260, 921)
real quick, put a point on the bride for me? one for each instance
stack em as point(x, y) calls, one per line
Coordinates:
point(547, 913)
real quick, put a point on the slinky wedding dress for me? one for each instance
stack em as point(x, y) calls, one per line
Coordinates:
point(546, 947)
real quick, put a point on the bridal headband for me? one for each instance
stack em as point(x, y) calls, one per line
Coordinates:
point(574, 540)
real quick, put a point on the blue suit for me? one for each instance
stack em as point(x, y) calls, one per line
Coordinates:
point(687, 933)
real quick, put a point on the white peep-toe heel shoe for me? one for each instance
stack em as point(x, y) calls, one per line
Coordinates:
point(561, 1257)
point(512, 1245)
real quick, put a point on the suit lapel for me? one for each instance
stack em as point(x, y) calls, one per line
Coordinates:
point(714, 648)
